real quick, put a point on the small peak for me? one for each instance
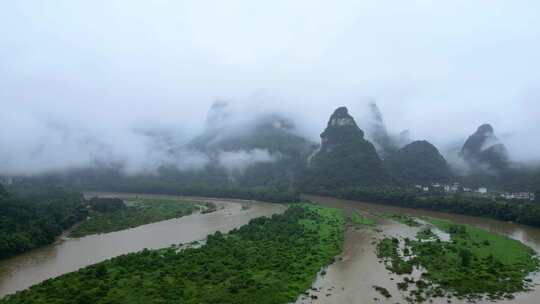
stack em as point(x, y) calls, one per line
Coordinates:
point(341, 118)
point(341, 112)
point(485, 129)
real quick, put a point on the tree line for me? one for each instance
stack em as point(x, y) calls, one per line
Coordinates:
point(522, 212)
point(33, 217)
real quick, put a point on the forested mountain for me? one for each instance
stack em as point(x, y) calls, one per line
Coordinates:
point(262, 150)
point(483, 152)
point(419, 162)
point(239, 152)
point(345, 158)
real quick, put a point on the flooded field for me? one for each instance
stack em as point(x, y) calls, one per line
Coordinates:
point(352, 277)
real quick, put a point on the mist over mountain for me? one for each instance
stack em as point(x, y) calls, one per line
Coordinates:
point(484, 151)
point(236, 148)
point(378, 134)
point(260, 149)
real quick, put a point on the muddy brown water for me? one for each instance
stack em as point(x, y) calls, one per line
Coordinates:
point(67, 255)
point(352, 277)
point(349, 280)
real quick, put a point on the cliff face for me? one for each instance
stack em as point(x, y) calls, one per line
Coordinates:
point(419, 162)
point(482, 150)
point(345, 157)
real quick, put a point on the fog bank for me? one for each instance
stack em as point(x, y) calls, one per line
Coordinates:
point(92, 83)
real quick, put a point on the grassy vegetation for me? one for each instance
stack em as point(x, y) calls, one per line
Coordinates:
point(473, 264)
point(404, 219)
point(136, 212)
point(33, 217)
point(426, 234)
point(270, 260)
point(359, 219)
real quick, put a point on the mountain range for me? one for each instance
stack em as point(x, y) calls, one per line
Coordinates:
point(267, 150)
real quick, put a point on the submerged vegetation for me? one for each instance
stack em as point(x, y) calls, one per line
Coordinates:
point(270, 260)
point(473, 264)
point(112, 214)
point(404, 219)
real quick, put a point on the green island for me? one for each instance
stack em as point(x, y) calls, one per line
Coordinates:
point(270, 260)
point(113, 214)
point(35, 216)
point(474, 264)
point(404, 219)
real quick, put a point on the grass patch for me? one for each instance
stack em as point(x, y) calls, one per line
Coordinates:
point(137, 212)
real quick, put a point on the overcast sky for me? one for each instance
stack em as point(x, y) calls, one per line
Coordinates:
point(73, 73)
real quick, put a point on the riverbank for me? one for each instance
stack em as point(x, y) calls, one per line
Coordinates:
point(67, 255)
point(137, 212)
point(270, 260)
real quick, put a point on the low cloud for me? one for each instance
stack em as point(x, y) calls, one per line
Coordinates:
point(239, 161)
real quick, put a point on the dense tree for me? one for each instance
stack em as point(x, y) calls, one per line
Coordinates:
point(35, 217)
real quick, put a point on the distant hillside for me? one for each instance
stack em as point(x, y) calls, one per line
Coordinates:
point(262, 150)
point(376, 131)
point(345, 157)
point(419, 162)
point(483, 152)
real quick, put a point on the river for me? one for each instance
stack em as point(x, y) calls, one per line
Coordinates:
point(349, 280)
point(352, 277)
point(67, 255)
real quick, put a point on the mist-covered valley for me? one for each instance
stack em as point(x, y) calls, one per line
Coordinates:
point(275, 152)
point(235, 148)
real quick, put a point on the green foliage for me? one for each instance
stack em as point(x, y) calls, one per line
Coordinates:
point(105, 204)
point(358, 219)
point(270, 260)
point(33, 217)
point(387, 249)
point(426, 234)
point(419, 162)
point(345, 157)
point(138, 212)
point(472, 264)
